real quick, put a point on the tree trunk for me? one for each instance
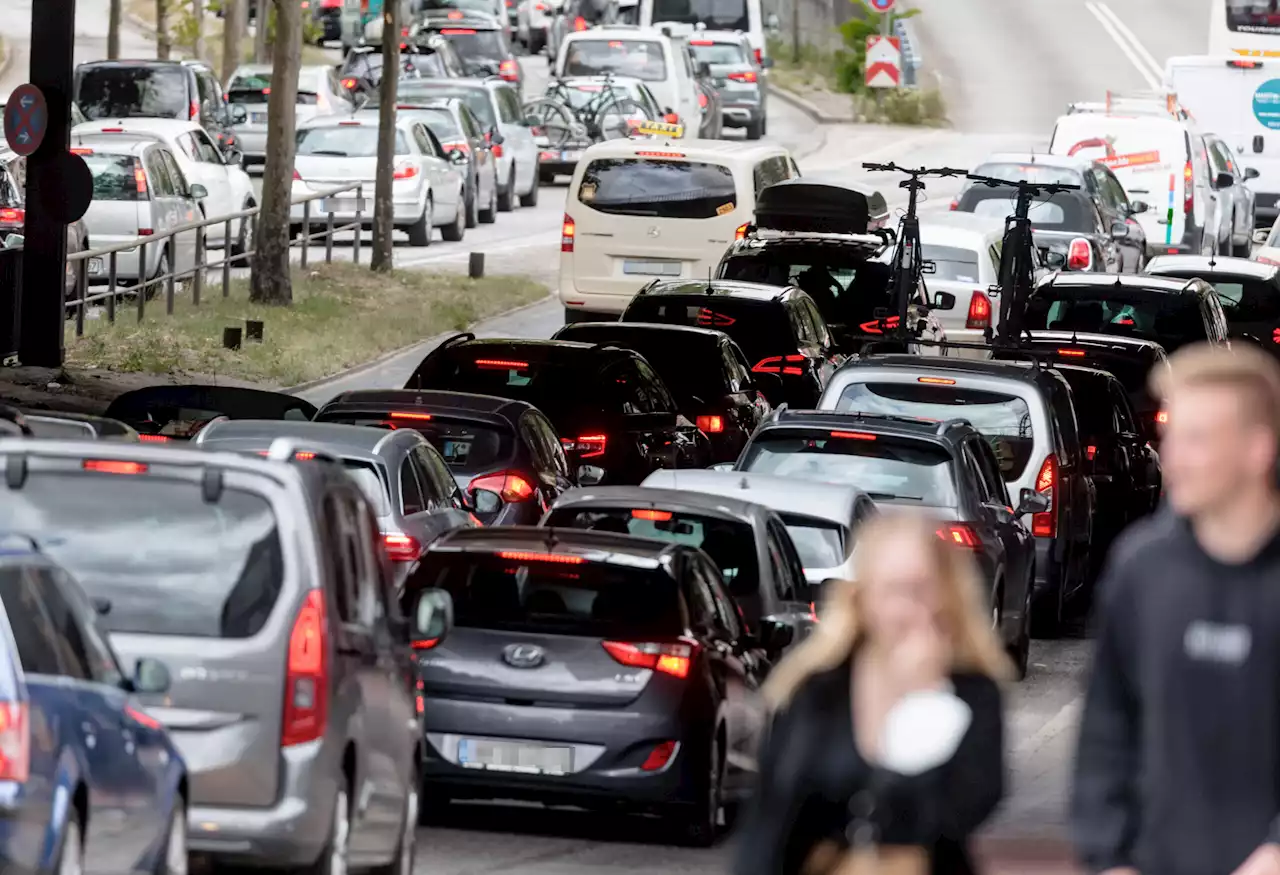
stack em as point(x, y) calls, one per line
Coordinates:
point(197, 14)
point(261, 18)
point(383, 214)
point(271, 282)
point(113, 29)
point(233, 18)
point(163, 43)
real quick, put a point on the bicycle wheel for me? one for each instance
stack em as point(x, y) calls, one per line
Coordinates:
point(552, 122)
point(615, 118)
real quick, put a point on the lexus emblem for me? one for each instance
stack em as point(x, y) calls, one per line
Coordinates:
point(523, 655)
point(654, 231)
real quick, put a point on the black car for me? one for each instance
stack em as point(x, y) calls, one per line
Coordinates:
point(613, 671)
point(1172, 313)
point(946, 468)
point(706, 371)
point(165, 413)
point(1096, 181)
point(1248, 292)
point(505, 454)
point(615, 415)
point(480, 40)
point(778, 328)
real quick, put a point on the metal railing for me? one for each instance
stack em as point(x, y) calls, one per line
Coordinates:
point(905, 31)
point(245, 222)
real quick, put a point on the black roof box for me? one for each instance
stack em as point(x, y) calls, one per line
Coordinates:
point(820, 208)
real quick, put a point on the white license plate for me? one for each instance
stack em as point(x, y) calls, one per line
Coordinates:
point(96, 267)
point(652, 268)
point(573, 155)
point(511, 756)
point(344, 205)
point(258, 118)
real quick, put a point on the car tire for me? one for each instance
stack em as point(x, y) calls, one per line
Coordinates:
point(420, 231)
point(755, 129)
point(489, 214)
point(70, 858)
point(175, 858)
point(546, 177)
point(698, 825)
point(241, 246)
point(333, 859)
point(531, 199)
point(1020, 650)
point(473, 206)
point(407, 845)
point(537, 42)
point(455, 232)
point(507, 193)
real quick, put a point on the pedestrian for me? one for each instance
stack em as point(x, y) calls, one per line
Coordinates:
point(1177, 770)
point(850, 781)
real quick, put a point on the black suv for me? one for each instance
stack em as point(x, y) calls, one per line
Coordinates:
point(706, 370)
point(1248, 292)
point(165, 413)
point(778, 328)
point(615, 415)
point(425, 56)
point(948, 467)
point(480, 40)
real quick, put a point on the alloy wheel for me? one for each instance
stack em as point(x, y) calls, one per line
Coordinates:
point(175, 853)
point(341, 835)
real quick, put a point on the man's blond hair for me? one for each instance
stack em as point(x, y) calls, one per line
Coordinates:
point(1243, 368)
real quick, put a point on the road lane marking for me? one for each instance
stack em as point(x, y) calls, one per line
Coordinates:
point(1123, 37)
point(1067, 717)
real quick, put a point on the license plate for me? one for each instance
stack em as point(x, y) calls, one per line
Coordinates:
point(573, 155)
point(652, 268)
point(258, 118)
point(96, 267)
point(344, 205)
point(510, 756)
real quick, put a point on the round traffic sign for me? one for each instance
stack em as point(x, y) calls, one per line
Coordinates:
point(26, 118)
point(881, 5)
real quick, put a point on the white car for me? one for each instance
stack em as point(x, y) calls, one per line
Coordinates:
point(533, 19)
point(319, 93)
point(1266, 244)
point(427, 191)
point(229, 189)
point(965, 251)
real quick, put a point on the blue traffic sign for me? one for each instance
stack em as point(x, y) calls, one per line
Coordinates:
point(26, 119)
point(882, 5)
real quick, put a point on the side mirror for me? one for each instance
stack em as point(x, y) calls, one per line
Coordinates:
point(1136, 207)
point(13, 241)
point(457, 156)
point(432, 615)
point(150, 676)
point(199, 192)
point(944, 301)
point(101, 606)
point(234, 157)
point(1119, 230)
point(928, 267)
point(496, 137)
point(704, 70)
point(775, 635)
point(1030, 501)
point(239, 115)
point(1251, 173)
point(1055, 260)
point(590, 475)
point(766, 63)
point(1261, 236)
point(1224, 180)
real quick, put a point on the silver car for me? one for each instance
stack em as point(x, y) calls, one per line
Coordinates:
point(319, 93)
point(736, 75)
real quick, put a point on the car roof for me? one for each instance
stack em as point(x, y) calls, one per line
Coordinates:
point(432, 19)
point(678, 333)
point(1021, 370)
point(1126, 281)
point(692, 149)
point(135, 62)
point(968, 227)
point(720, 36)
point(1217, 265)
point(852, 420)
point(160, 127)
point(606, 547)
point(735, 509)
point(120, 144)
point(828, 501)
point(486, 406)
point(617, 33)
point(718, 289)
point(1116, 342)
point(574, 81)
point(356, 119)
point(335, 439)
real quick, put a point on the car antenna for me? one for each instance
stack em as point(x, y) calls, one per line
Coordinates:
point(710, 290)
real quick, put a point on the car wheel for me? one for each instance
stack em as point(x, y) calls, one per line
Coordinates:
point(333, 859)
point(755, 130)
point(70, 859)
point(507, 193)
point(473, 205)
point(1020, 650)
point(162, 268)
point(402, 862)
point(174, 861)
point(420, 231)
point(546, 177)
point(531, 199)
point(455, 232)
point(699, 824)
point(489, 214)
point(1047, 611)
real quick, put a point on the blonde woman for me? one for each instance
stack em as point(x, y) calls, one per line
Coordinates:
point(886, 749)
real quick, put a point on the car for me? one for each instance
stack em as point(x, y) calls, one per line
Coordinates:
point(139, 190)
point(428, 191)
point(187, 90)
point(710, 101)
point(608, 642)
point(749, 543)
point(319, 94)
point(483, 42)
point(633, 104)
point(1266, 244)
point(533, 21)
point(706, 371)
point(1025, 412)
point(1171, 312)
point(260, 583)
point(162, 414)
point(504, 454)
point(1248, 292)
point(94, 783)
point(737, 75)
point(65, 424)
point(616, 418)
point(1096, 181)
point(778, 328)
point(425, 56)
point(497, 105)
point(822, 519)
point(1238, 202)
point(13, 212)
point(228, 188)
point(741, 16)
point(408, 486)
point(656, 207)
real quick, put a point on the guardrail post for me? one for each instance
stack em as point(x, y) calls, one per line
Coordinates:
point(306, 231)
point(111, 285)
point(82, 290)
point(226, 261)
point(142, 282)
point(197, 278)
point(355, 246)
point(328, 241)
point(172, 281)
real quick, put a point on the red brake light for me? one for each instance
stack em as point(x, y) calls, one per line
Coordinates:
point(711, 424)
point(527, 556)
point(579, 24)
point(701, 42)
point(112, 131)
point(1243, 65)
point(979, 311)
point(936, 381)
point(153, 439)
point(744, 76)
point(512, 487)
point(671, 118)
point(702, 100)
point(139, 177)
point(1090, 452)
point(297, 177)
point(81, 150)
point(759, 53)
point(350, 124)
point(424, 644)
point(1073, 353)
point(656, 516)
point(567, 232)
point(1162, 418)
point(195, 110)
point(402, 548)
point(497, 150)
point(349, 84)
point(406, 414)
point(773, 365)
point(663, 154)
point(853, 435)
point(1045, 525)
point(15, 742)
point(306, 687)
point(406, 170)
point(659, 756)
point(740, 232)
point(1189, 189)
point(587, 446)
point(672, 659)
point(959, 534)
point(955, 204)
point(877, 326)
point(1080, 255)
point(113, 466)
point(501, 365)
point(143, 718)
point(457, 31)
point(13, 215)
point(710, 319)
point(303, 456)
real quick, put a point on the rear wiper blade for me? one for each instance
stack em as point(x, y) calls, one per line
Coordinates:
point(889, 496)
point(329, 153)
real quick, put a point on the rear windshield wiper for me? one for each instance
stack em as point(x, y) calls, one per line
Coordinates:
point(329, 153)
point(889, 496)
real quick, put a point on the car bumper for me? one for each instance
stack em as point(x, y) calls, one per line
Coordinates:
point(591, 302)
point(1047, 576)
point(347, 208)
point(253, 144)
point(741, 112)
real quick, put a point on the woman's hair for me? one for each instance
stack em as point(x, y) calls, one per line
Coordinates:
point(965, 617)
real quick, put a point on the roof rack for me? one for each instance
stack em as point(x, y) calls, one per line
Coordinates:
point(1148, 103)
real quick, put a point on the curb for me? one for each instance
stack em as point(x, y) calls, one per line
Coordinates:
point(808, 108)
point(434, 340)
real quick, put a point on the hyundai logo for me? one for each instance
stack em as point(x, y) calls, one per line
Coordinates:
point(523, 655)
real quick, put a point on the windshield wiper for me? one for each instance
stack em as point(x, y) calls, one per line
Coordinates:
point(889, 496)
point(329, 153)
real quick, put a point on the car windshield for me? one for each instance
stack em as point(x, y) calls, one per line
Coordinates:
point(639, 59)
point(477, 98)
point(114, 177)
point(1030, 173)
point(481, 51)
point(468, 447)
point(715, 14)
point(885, 467)
point(345, 141)
point(169, 562)
point(820, 543)
point(661, 189)
point(1172, 320)
point(952, 263)
point(1004, 420)
point(730, 544)
point(728, 54)
point(133, 91)
point(761, 330)
point(1065, 211)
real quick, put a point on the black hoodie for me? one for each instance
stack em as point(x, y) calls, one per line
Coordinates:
point(1178, 766)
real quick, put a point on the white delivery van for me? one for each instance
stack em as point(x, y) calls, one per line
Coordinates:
point(746, 16)
point(1158, 160)
point(1239, 100)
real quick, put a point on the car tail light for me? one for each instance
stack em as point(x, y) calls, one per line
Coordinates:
point(711, 424)
point(13, 215)
point(501, 365)
point(1162, 418)
point(759, 53)
point(587, 446)
point(512, 487)
point(349, 84)
point(113, 466)
point(671, 118)
point(458, 31)
point(462, 146)
point(579, 24)
point(112, 131)
point(195, 110)
point(1243, 65)
point(709, 319)
point(673, 659)
point(497, 150)
point(653, 516)
point(153, 439)
point(740, 233)
point(1079, 255)
point(406, 170)
point(744, 76)
point(1045, 525)
point(659, 757)
point(1262, 259)
point(1188, 189)
point(81, 150)
point(955, 204)
point(774, 365)
point(878, 326)
point(306, 693)
point(297, 177)
point(1090, 452)
point(402, 548)
point(853, 435)
point(509, 70)
point(979, 311)
point(567, 232)
point(960, 534)
point(1072, 353)
point(140, 177)
point(531, 556)
point(15, 742)
point(145, 232)
point(424, 644)
point(410, 414)
point(702, 100)
point(936, 381)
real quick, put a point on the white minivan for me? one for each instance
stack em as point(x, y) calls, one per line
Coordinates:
point(746, 16)
point(657, 208)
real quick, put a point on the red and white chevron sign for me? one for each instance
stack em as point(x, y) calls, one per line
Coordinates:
point(884, 62)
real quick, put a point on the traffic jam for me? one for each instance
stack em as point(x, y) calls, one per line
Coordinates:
point(276, 634)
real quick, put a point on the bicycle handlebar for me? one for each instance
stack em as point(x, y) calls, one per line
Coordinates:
point(1032, 188)
point(917, 172)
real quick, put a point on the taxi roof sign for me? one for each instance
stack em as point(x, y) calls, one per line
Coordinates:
point(658, 129)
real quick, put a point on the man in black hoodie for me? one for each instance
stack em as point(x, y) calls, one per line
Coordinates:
point(1178, 766)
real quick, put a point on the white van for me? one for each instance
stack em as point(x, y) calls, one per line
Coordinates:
point(657, 208)
point(662, 62)
point(746, 16)
point(1239, 100)
point(1158, 160)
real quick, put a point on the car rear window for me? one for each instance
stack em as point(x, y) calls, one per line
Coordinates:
point(730, 544)
point(591, 599)
point(1168, 319)
point(553, 385)
point(481, 51)
point(114, 177)
point(133, 91)
point(345, 141)
point(639, 59)
point(169, 562)
point(1243, 299)
point(952, 263)
point(660, 189)
point(761, 330)
point(820, 543)
point(476, 98)
point(705, 51)
point(885, 467)
point(713, 14)
point(256, 88)
point(1004, 420)
point(688, 368)
point(467, 446)
point(1060, 212)
point(1030, 173)
point(370, 480)
point(441, 123)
